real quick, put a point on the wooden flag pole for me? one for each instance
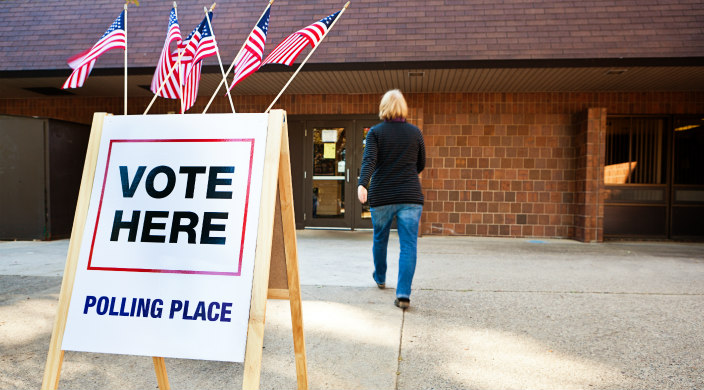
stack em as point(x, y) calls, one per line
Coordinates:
point(307, 57)
point(125, 57)
point(217, 52)
point(224, 81)
point(181, 88)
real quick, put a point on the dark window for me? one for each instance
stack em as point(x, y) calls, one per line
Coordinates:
point(689, 152)
point(635, 151)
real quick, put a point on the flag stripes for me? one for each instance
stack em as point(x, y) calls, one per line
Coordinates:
point(199, 45)
point(247, 64)
point(82, 64)
point(190, 86)
point(250, 58)
point(288, 50)
point(314, 32)
point(205, 48)
point(167, 60)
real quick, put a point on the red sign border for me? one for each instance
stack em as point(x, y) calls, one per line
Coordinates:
point(244, 221)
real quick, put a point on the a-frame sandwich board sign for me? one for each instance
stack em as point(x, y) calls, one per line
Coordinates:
point(177, 220)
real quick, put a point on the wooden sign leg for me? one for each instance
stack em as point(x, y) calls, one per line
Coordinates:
point(160, 369)
point(52, 372)
point(262, 257)
point(55, 356)
point(288, 221)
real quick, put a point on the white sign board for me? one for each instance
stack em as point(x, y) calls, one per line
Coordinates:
point(167, 257)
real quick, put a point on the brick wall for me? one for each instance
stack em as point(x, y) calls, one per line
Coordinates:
point(501, 165)
point(507, 164)
point(498, 164)
point(589, 142)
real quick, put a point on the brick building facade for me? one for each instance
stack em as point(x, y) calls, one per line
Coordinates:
point(510, 160)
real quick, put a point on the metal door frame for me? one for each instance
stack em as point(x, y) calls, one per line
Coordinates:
point(353, 124)
point(349, 198)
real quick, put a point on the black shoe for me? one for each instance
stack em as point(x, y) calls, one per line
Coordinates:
point(403, 303)
point(380, 285)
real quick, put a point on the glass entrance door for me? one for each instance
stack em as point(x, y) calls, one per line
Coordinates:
point(335, 150)
point(330, 199)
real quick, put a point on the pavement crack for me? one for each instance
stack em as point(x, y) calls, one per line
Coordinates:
point(400, 346)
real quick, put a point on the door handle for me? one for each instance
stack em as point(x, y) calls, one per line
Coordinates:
point(348, 175)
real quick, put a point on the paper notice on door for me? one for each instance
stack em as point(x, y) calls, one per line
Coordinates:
point(329, 136)
point(329, 150)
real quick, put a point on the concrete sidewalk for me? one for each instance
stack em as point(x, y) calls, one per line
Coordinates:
point(485, 313)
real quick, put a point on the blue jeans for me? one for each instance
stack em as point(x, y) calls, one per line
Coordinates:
point(407, 219)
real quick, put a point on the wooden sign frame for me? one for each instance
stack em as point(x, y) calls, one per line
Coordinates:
point(275, 265)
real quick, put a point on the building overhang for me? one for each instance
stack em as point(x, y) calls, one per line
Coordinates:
point(573, 75)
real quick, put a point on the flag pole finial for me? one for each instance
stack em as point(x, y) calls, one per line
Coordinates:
point(212, 7)
point(174, 4)
point(347, 5)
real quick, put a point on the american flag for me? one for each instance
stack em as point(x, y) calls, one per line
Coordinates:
point(287, 51)
point(114, 38)
point(171, 88)
point(200, 44)
point(250, 58)
point(189, 85)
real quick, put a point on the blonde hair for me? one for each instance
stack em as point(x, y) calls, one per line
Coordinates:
point(393, 106)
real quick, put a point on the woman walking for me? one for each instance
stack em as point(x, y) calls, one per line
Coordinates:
point(394, 155)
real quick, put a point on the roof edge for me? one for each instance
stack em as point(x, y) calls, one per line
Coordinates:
point(400, 65)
